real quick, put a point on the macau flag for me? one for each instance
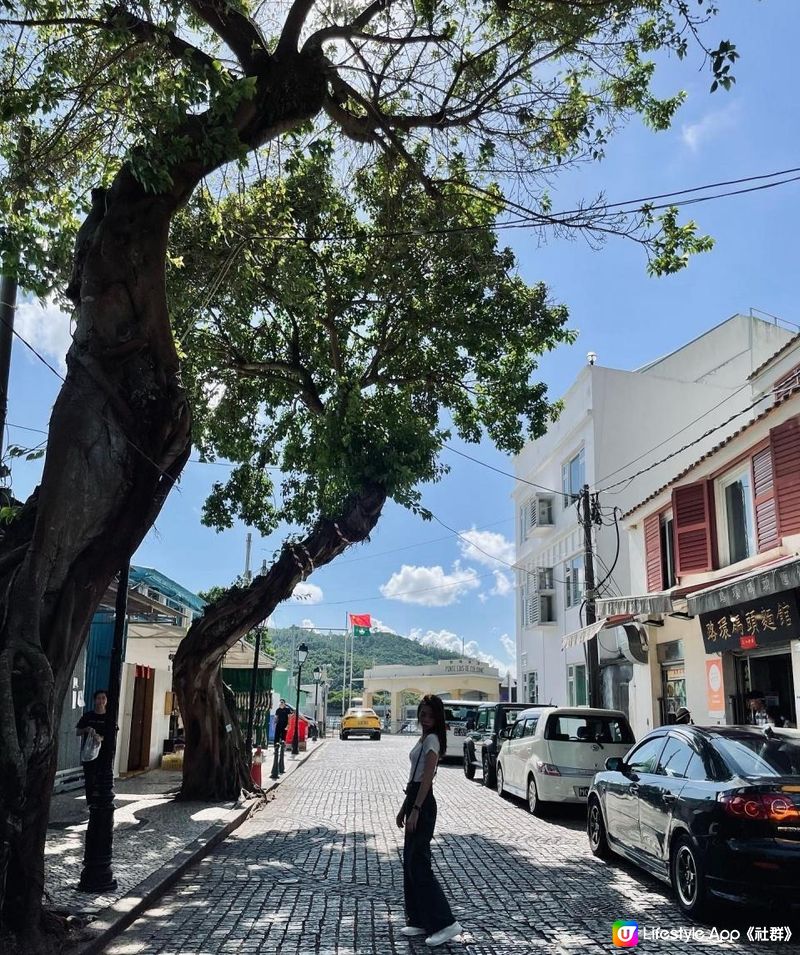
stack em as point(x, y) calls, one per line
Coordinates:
point(361, 623)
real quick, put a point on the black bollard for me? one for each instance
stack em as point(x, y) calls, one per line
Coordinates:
point(277, 749)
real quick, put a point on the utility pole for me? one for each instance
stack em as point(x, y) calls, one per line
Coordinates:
point(591, 616)
point(8, 307)
point(248, 545)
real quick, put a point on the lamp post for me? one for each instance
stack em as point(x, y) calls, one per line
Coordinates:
point(97, 875)
point(302, 653)
point(317, 677)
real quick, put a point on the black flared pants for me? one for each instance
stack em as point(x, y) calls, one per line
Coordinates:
point(426, 905)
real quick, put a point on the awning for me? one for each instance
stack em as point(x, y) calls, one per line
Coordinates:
point(638, 604)
point(584, 635)
point(751, 586)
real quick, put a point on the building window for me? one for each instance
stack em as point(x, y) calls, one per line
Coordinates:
point(537, 511)
point(735, 516)
point(576, 685)
point(531, 686)
point(536, 607)
point(667, 552)
point(573, 477)
point(573, 581)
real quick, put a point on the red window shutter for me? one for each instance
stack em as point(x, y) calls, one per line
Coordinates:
point(652, 553)
point(785, 440)
point(692, 524)
point(764, 494)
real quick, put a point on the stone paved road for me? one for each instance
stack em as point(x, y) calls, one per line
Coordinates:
point(318, 871)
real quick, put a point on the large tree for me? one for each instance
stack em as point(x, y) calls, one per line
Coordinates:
point(134, 105)
point(344, 348)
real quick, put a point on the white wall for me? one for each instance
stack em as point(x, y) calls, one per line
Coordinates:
point(626, 421)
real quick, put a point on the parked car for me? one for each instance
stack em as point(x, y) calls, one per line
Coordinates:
point(358, 721)
point(552, 755)
point(460, 716)
point(715, 811)
point(482, 744)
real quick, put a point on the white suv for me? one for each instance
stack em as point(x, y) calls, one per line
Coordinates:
point(552, 755)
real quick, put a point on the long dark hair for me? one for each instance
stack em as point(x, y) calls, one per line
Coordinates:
point(436, 706)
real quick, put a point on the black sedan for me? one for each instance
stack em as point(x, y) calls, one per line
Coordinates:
point(711, 810)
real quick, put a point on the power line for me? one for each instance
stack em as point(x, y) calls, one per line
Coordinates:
point(531, 218)
point(690, 444)
point(684, 428)
point(491, 467)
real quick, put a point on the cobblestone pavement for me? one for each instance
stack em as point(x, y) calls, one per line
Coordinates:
point(319, 871)
point(150, 828)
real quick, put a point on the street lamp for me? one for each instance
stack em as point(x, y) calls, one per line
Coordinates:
point(317, 676)
point(302, 653)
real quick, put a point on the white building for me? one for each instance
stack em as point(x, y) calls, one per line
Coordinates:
point(715, 567)
point(614, 424)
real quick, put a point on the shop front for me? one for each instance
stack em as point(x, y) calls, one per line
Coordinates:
point(753, 628)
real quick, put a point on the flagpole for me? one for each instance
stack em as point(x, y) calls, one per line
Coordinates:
point(344, 669)
point(352, 654)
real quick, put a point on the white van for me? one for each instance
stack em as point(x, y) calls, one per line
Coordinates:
point(552, 755)
point(460, 716)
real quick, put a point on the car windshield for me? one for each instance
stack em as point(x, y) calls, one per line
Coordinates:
point(361, 713)
point(507, 717)
point(459, 714)
point(755, 755)
point(589, 729)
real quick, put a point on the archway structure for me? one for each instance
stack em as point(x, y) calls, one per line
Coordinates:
point(451, 679)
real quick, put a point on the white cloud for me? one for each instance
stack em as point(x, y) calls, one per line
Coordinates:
point(45, 327)
point(378, 626)
point(710, 126)
point(493, 547)
point(503, 585)
point(508, 645)
point(430, 586)
point(307, 624)
point(307, 593)
point(447, 640)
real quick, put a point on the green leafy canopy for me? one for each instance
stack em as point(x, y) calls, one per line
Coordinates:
point(353, 334)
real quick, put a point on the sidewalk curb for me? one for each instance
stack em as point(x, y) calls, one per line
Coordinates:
point(114, 919)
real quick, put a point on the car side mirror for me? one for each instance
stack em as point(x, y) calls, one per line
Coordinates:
point(615, 764)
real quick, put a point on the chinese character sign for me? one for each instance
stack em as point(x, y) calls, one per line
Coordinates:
point(747, 626)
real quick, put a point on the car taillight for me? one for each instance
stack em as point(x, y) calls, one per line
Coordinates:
point(772, 807)
point(547, 769)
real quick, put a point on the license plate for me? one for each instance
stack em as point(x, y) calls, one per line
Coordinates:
point(581, 791)
point(460, 731)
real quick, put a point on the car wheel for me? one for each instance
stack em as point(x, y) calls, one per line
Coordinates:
point(535, 805)
point(376, 736)
point(488, 775)
point(688, 877)
point(500, 790)
point(596, 830)
point(469, 766)
point(343, 735)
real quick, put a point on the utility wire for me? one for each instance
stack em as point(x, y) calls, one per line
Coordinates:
point(686, 426)
point(491, 467)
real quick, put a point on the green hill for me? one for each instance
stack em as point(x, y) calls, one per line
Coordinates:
point(374, 650)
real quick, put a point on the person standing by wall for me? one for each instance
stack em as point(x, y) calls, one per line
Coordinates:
point(427, 910)
point(92, 727)
point(281, 721)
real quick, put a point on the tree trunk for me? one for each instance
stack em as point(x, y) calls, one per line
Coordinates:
point(215, 766)
point(119, 437)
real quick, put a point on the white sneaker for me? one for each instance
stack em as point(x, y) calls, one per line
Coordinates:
point(411, 930)
point(444, 935)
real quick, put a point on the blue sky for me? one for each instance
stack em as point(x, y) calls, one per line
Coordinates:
point(412, 576)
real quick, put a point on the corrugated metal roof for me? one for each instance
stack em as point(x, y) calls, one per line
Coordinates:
point(780, 351)
point(717, 447)
point(166, 586)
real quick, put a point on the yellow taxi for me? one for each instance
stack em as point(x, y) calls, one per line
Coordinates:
point(358, 721)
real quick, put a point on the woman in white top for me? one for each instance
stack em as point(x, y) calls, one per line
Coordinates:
point(427, 910)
